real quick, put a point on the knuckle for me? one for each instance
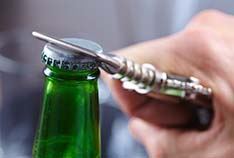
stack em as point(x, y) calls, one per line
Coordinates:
point(207, 15)
point(202, 44)
point(199, 37)
point(210, 13)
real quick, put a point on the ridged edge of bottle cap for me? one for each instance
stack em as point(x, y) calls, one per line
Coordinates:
point(63, 59)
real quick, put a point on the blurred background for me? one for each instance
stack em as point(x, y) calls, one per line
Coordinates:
point(114, 24)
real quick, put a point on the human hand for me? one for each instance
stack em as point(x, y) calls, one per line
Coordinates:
point(204, 49)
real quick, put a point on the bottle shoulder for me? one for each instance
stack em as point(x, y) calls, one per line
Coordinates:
point(58, 74)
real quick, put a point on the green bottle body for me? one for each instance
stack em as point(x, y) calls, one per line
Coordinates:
point(69, 124)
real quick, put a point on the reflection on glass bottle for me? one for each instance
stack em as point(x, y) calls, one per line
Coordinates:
point(69, 125)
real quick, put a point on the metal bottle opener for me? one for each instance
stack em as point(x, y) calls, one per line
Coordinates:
point(144, 79)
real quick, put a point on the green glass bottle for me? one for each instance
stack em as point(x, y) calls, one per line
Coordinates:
point(69, 124)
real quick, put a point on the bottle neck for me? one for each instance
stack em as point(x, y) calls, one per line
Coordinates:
point(71, 75)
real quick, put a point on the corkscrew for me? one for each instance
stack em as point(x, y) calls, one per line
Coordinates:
point(145, 78)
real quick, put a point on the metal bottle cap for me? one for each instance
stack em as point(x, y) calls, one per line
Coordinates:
point(61, 58)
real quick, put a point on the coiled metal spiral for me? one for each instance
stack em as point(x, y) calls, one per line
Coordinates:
point(146, 78)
